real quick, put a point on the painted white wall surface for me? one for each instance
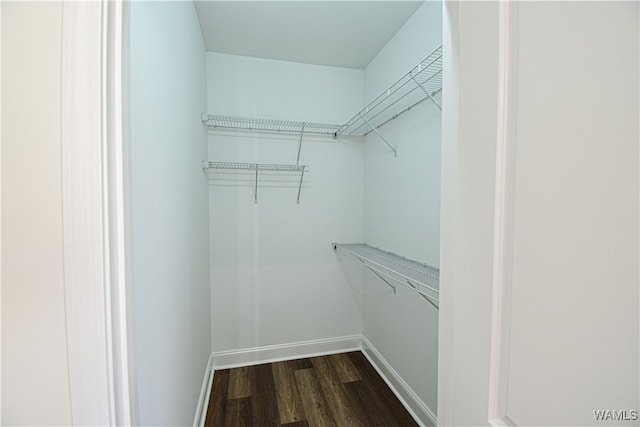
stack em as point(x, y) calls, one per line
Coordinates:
point(35, 375)
point(574, 321)
point(255, 87)
point(169, 210)
point(274, 278)
point(572, 341)
point(402, 210)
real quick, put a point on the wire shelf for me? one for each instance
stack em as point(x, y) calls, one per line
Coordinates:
point(423, 82)
point(270, 125)
point(255, 166)
point(422, 278)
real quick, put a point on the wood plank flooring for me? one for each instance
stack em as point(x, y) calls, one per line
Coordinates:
point(337, 390)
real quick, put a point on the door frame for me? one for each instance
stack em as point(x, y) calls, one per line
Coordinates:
point(93, 83)
point(96, 221)
point(497, 368)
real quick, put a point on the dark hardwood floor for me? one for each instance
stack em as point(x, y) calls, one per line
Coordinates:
point(336, 390)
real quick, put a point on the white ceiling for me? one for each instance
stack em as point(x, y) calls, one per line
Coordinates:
point(336, 33)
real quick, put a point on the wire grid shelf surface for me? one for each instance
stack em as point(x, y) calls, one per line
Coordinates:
point(253, 166)
point(271, 125)
point(422, 82)
point(421, 277)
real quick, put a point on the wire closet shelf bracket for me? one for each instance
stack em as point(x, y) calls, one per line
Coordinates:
point(257, 167)
point(422, 278)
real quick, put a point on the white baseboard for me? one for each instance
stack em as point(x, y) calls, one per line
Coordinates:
point(205, 392)
point(418, 409)
point(280, 352)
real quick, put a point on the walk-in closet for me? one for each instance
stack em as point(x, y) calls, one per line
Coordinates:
point(385, 201)
point(309, 176)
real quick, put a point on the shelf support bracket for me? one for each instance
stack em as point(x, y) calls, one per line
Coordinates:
point(383, 279)
point(379, 275)
point(427, 93)
point(255, 194)
point(300, 185)
point(391, 147)
point(429, 300)
point(300, 145)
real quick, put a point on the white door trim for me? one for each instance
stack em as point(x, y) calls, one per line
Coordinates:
point(503, 218)
point(448, 191)
point(502, 215)
point(93, 214)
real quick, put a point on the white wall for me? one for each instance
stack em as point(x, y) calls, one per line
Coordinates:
point(572, 334)
point(401, 210)
point(254, 87)
point(274, 277)
point(169, 210)
point(35, 376)
point(574, 321)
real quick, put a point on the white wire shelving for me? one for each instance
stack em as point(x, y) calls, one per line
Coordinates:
point(269, 125)
point(257, 167)
point(422, 82)
point(275, 167)
point(422, 278)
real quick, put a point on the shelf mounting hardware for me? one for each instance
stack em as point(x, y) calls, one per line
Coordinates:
point(298, 161)
point(382, 278)
point(300, 143)
point(255, 193)
point(426, 92)
point(431, 301)
point(391, 147)
point(300, 185)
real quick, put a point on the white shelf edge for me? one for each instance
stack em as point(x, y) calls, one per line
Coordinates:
point(273, 167)
point(269, 125)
